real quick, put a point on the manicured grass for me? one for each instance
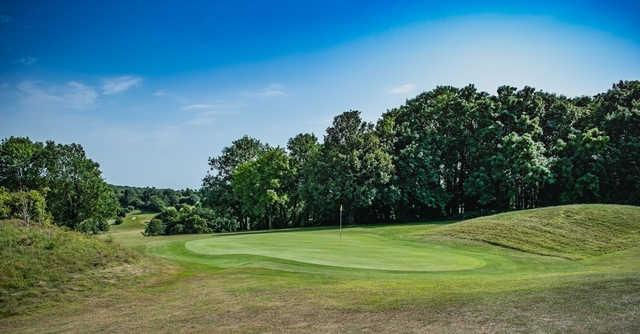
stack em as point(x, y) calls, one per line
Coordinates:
point(356, 249)
point(424, 277)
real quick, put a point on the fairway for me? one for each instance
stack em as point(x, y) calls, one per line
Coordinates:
point(356, 249)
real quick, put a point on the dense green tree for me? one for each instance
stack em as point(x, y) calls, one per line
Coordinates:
point(580, 169)
point(216, 186)
point(21, 164)
point(351, 168)
point(303, 150)
point(76, 194)
point(78, 197)
point(260, 186)
point(617, 113)
point(448, 151)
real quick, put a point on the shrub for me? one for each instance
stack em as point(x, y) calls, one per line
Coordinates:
point(93, 226)
point(29, 206)
point(119, 220)
point(154, 227)
point(225, 224)
point(190, 219)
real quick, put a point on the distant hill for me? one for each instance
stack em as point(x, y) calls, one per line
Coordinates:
point(570, 231)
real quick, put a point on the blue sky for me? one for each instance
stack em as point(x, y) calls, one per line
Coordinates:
point(152, 89)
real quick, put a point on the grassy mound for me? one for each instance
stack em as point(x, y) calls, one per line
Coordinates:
point(41, 263)
point(570, 231)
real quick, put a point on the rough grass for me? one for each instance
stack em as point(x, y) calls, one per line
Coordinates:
point(39, 263)
point(571, 231)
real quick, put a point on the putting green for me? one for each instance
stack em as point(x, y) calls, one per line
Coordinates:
point(356, 249)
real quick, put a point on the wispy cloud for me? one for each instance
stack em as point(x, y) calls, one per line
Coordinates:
point(160, 92)
point(119, 84)
point(198, 106)
point(80, 95)
point(199, 121)
point(271, 90)
point(403, 89)
point(212, 107)
point(27, 61)
point(206, 113)
point(73, 94)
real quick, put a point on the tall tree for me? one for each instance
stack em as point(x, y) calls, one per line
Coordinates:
point(78, 197)
point(216, 186)
point(260, 185)
point(303, 151)
point(352, 167)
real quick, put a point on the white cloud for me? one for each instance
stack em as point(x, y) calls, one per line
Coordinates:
point(271, 91)
point(160, 92)
point(198, 106)
point(27, 61)
point(73, 94)
point(200, 120)
point(119, 84)
point(212, 107)
point(403, 89)
point(206, 113)
point(79, 95)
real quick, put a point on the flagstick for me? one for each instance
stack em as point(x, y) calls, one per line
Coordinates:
point(340, 221)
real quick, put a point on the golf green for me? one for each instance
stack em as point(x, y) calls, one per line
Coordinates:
point(356, 249)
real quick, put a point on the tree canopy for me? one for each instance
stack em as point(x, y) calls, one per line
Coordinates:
point(75, 193)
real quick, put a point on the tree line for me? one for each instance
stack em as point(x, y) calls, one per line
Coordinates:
point(151, 199)
point(447, 152)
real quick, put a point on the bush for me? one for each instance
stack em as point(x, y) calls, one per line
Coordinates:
point(119, 220)
point(190, 219)
point(156, 204)
point(225, 224)
point(93, 226)
point(154, 227)
point(29, 206)
point(5, 209)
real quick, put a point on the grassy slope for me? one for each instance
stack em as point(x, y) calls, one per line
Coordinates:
point(42, 262)
point(571, 231)
point(266, 288)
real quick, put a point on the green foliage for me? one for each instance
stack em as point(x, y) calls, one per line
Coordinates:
point(260, 186)
point(216, 186)
point(188, 219)
point(76, 195)
point(351, 168)
point(152, 199)
point(21, 164)
point(118, 221)
point(154, 227)
point(29, 206)
point(447, 152)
